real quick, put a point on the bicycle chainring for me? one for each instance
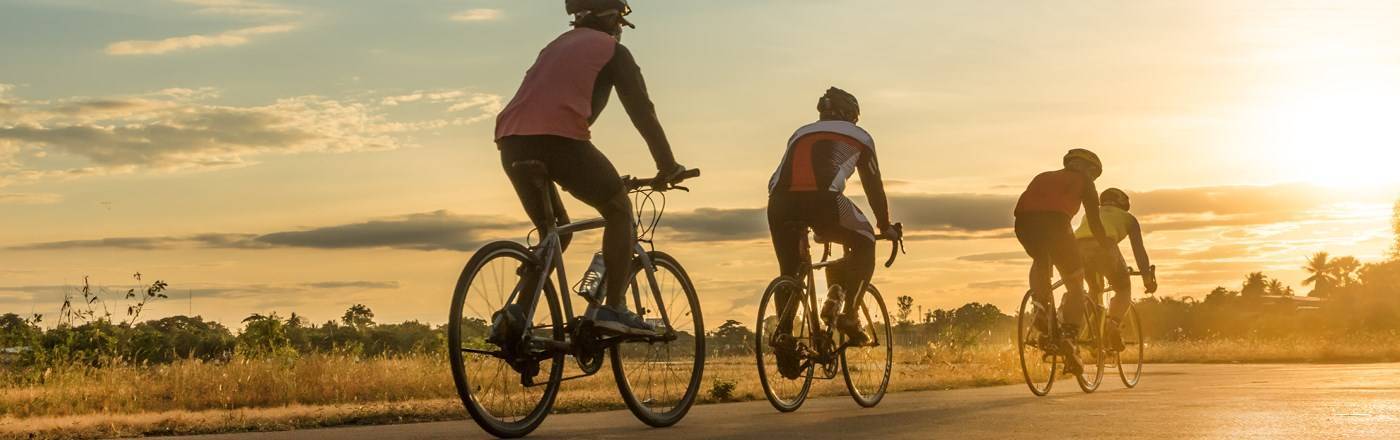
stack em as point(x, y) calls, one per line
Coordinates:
point(588, 350)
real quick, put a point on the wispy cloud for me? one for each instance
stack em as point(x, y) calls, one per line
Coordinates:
point(241, 8)
point(29, 198)
point(176, 129)
point(476, 15)
point(430, 231)
point(237, 37)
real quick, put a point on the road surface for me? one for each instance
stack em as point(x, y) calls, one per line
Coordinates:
point(1173, 402)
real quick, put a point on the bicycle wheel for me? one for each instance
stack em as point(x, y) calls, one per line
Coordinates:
point(1089, 345)
point(491, 389)
point(1037, 366)
point(1130, 359)
point(785, 394)
point(867, 367)
point(659, 380)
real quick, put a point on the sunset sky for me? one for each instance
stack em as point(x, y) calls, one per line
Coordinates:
point(304, 156)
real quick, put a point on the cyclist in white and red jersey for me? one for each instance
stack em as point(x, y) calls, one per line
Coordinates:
point(807, 192)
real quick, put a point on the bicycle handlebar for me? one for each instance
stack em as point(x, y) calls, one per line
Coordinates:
point(896, 245)
point(636, 183)
point(1150, 270)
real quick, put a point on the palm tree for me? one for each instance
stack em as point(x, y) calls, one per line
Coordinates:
point(1345, 270)
point(1254, 285)
point(1322, 274)
point(1276, 288)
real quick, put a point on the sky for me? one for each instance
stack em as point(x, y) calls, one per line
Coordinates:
point(303, 156)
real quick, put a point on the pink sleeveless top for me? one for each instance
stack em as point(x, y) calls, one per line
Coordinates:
point(556, 97)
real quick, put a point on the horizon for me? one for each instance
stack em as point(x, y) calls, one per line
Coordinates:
point(305, 156)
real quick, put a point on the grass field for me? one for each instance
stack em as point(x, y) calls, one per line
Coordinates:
point(325, 390)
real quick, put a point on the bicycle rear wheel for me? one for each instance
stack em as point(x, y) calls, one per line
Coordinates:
point(660, 380)
point(1038, 366)
point(491, 388)
point(867, 367)
point(786, 395)
point(1130, 359)
point(1089, 346)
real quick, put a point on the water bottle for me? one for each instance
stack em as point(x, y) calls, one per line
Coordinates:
point(834, 297)
point(592, 283)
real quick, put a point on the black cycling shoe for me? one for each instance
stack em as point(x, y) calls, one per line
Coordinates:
point(850, 327)
point(789, 362)
point(1067, 349)
point(620, 321)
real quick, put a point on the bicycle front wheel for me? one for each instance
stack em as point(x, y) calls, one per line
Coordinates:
point(494, 390)
point(791, 318)
point(1130, 359)
point(1090, 348)
point(867, 367)
point(1038, 366)
point(660, 380)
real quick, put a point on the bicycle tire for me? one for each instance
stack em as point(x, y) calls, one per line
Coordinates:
point(645, 409)
point(1089, 344)
point(474, 392)
point(803, 316)
point(1027, 348)
point(1134, 341)
point(875, 321)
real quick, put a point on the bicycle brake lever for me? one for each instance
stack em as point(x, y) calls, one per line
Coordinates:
point(682, 188)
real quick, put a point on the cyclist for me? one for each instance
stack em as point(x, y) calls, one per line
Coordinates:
point(1043, 215)
point(1108, 262)
point(549, 121)
point(806, 191)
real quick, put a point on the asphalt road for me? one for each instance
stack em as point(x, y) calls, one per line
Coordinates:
point(1173, 401)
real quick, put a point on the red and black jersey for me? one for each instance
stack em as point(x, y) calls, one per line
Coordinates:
point(822, 156)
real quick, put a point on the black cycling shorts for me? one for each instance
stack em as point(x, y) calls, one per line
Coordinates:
point(575, 165)
point(1049, 236)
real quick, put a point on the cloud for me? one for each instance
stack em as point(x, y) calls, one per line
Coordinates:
point(476, 15)
point(486, 105)
point(237, 37)
point(998, 285)
point(439, 230)
point(30, 198)
point(366, 285)
point(241, 8)
point(715, 224)
point(996, 257)
point(175, 129)
point(965, 212)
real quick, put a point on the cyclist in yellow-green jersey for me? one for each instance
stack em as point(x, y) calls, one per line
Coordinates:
point(1107, 262)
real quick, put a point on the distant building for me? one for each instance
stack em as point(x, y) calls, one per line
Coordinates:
point(12, 354)
point(1297, 302)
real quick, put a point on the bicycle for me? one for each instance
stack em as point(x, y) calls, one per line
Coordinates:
point(866, 370)
point(1041, 354)
point(1131, 333)
point(500, 343)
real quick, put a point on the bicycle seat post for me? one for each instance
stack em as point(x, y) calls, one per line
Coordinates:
point(538, 175)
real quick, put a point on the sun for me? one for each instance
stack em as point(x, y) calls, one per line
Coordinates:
point(1344, 136)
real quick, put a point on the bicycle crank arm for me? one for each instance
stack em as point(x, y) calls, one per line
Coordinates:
point(553, 346)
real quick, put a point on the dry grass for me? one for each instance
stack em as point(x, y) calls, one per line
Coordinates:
point(193, 397)
point(1307, 349)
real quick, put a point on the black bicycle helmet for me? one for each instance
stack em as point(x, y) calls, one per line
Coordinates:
point(599, 8)
point(839, 104)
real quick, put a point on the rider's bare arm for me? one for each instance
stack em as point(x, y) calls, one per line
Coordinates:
point(632, 91)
